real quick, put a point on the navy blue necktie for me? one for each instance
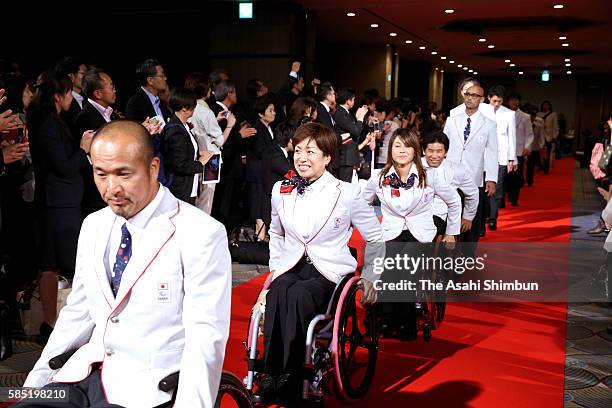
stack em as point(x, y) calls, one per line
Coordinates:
point(123, 257)
point(466, 131)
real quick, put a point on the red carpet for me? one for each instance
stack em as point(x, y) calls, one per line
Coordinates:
point(484, 355)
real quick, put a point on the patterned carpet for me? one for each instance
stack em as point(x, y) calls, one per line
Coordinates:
point(588, 364)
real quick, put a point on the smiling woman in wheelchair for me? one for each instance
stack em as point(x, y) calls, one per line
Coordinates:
point(312, 215)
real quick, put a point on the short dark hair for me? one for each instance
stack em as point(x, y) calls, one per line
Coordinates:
point(146, 69)
point(549, 105)
point(92, 81)
point(324, 137)
point(199, 83)
point(283, 134)
point(325, 89)
point(182, 98)
point(262, 103)
point(135, 129)
point(435, 137)
point(68, 65)
point(496, 90)
point(222, 89)
point(514, 95)
point(344, 95)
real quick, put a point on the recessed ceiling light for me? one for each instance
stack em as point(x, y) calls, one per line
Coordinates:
point(374, 25)
point(465, 68)
point(513, 65)
point(459, 65)
point(563, 37)
point(520, 72)
point(482, 40)
point(470, 70)
point(490, 46)
point(422, 47)
point(451, 61)
point(436, 68)
point(558, 6)
point(568, 72)
point(442, 58)
point(567, 60)
point(408, 41)
point(350, 14)
point(449, 11)
point(393, 34)
point(568, 64)
point(565, 45)
point(434, 53)
point(506, 60)
point(475, 73)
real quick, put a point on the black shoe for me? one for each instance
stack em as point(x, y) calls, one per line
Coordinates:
point(598, 229)
point(44, 333)
point(492, 225)
point(288, 387)
point(266, 391)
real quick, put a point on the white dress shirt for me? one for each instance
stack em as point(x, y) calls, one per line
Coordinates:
point(105, 112)
point(77, 97)
point(206, 129)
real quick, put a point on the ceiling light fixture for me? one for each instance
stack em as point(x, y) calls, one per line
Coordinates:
point(513, 65)
point(565, 45)
point(465, 68)
point(506, 60)
point(451, 61)
point(459, 65)
point(393, 34)
point(374, 25)
point(449, 11)
point(470, 70)
point(558, 6)
point(408, 41)
point(482, 40)
point(422, 47)
point(567, 60)
point(568, 72)
point(563, 37)
point(436, 68)
point(520, 72)
point(475, 73)
point(434, 53)
point(441, 70)
point(350, 14)
point(490, 46)
point(568, 64)
point(442, 58)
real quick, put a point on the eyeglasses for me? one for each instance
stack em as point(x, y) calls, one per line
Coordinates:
point(472, 95)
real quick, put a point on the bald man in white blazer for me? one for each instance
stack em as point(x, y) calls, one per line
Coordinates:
point(476, 148)
point(171, 310)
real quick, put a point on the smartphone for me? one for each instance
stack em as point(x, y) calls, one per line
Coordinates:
point(212, 170)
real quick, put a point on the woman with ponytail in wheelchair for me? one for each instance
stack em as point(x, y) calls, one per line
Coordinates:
point(312, 218)
point(406, 192)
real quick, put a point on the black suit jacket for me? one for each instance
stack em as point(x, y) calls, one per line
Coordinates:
point(256, 152)
point(90, 119)
point(139, 107)
point(57, 164)
point(69, 118)
point(345, 123)
point(178, 154)
point(275, 167)
point(325, 119)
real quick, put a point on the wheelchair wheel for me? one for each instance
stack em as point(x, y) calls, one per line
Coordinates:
point(232, 393)
point(354, 345)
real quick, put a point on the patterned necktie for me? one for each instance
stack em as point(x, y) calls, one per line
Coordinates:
point(123, 257)
point(466, 131)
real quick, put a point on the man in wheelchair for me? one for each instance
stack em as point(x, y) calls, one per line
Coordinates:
point(312, 218)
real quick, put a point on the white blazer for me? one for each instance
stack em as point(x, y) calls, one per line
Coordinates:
point(506, 133)
point(460, 178)
point(331, 207)
point(479, 153)
point(524, 131)
point(144, 333)
point(413, 209)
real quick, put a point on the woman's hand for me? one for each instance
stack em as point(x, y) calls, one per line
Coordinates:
point(205, 156)
point(369, 292)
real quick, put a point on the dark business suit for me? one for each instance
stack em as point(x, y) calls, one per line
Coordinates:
point(348, 158)
point(275, 167)
point(69, 118)
point(178, 152)
point(59, 191)
point(325, 118)
point(256, 150)
point(139, 107)
point(90, 119)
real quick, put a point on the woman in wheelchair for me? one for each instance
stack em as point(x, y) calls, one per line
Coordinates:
point(406, 192)
point(312, 215)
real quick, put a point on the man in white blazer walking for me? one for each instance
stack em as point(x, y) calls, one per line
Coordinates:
point(151, 292)
point(473, 143)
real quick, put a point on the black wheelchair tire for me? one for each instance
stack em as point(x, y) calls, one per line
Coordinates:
point(233, 387)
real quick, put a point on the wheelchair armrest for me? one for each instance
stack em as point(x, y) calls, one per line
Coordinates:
point(169, 382)
point(58, 362)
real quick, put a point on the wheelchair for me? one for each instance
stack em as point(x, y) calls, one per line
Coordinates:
point(340, 350)
point(231, 390)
